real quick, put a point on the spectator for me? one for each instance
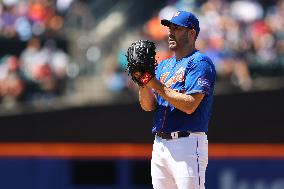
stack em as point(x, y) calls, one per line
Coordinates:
point(12, 85)
point(45, 69)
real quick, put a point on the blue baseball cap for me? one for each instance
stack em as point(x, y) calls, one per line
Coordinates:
point(184, 19)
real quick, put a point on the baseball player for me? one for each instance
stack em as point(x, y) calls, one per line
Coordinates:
point(181, 94)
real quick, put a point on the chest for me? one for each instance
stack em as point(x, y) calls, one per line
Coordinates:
point(173, 74)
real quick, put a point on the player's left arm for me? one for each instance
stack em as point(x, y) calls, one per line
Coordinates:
point(184, 102)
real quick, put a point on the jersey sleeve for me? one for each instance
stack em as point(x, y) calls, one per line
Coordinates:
point(200, 78)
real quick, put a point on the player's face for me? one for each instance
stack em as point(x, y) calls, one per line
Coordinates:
point(177, 37)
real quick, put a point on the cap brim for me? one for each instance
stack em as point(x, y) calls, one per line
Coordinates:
point(165, 22)
point(168, 23)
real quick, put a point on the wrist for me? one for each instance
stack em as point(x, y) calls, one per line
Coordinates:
point(145, 78)
point(155, 84)
point(142, 78)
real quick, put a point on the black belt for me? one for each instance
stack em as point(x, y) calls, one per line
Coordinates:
point(172, 135)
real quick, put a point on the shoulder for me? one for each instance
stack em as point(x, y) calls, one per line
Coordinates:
point(201, 66)
point(200, 59)
point(165, 62)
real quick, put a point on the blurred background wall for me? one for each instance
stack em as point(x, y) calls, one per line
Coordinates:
point(69, 115)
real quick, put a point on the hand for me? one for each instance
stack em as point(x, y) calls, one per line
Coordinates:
point(142, 78)
point(141, 61)
point(137, 75)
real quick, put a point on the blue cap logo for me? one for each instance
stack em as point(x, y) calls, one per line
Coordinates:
point(184, 19)
point(176, 14)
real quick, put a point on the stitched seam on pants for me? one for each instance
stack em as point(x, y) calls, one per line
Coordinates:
point(197, 162)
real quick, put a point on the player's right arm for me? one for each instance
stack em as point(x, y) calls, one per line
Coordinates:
point(147, 98)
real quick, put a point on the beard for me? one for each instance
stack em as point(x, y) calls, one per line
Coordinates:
point(175, 43)
point(172, 44)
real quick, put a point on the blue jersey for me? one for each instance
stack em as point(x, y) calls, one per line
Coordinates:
point(192, 74)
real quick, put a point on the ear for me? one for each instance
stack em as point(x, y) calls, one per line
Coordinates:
point(192, 33)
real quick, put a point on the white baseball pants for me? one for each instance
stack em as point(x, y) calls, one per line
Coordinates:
point(180, 163)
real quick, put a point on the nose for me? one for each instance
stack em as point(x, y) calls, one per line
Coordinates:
point(170, 30)
point(170, 33)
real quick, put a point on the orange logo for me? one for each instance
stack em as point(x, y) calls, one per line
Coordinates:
point(178, 77)
point(164, 77)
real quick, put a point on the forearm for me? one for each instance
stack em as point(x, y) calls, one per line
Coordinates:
point(147, 98)
point(183, 102)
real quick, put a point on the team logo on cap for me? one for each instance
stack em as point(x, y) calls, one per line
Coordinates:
point(176, 14)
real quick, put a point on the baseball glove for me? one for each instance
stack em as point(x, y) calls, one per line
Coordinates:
point(141, 59)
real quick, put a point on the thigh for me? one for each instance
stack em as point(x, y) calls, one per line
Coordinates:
point(164, 183)
point(190, 182)
point(161, 179)
point(187, 183)
point(160, 173)
point(190, 158)
point(202, 159)
point(187, 173)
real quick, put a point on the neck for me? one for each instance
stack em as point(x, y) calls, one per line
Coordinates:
point(180, 53)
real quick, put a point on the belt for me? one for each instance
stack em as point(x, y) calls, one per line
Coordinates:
point(172, 135)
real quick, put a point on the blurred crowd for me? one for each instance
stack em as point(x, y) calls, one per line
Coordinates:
point(24, 19)
point(237, 35)
point(38, 74)
point(40, 71)
point(245, 39)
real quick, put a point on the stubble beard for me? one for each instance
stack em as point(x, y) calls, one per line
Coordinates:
point(172, 45)
point(172, 42)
